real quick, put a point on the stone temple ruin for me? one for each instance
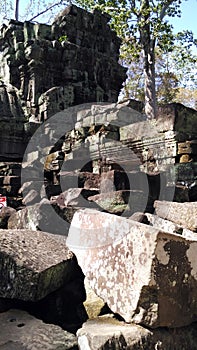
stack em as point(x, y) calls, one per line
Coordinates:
point(86, 175)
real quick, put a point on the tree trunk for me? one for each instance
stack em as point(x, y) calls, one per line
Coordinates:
point(149, 81)
point(148, 47)
point(16, 10)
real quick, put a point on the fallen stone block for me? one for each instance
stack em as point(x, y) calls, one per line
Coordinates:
point(144, 274)
point(163, 224)
point(31, 197)
point(121, 201)
point(183, 214)
point(108, 333)
point(75, 197)
point(21, 331)
point(42, 216)
point(169, 226)
point(140, 217)
point(33, 264)
point(5, 213)
point(114, 202)
point(63, 307)
point(86, 180)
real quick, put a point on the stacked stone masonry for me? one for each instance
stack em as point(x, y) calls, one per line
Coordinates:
point(72, 61)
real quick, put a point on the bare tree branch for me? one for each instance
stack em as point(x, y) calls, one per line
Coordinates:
point(16, 10)
point(47, 9)
point(164, 9)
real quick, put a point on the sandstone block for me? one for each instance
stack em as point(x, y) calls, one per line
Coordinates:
point(163, 224)
point(184, 214)
point(5, 213)
point(42, 216)
point(31, 197)
point(33, 264)
point(112, 180)
point(75, 197)
point(113, 202)
point(120, 201)
point(169, 226)
point(106, 333)
point(21, 331)
point(144, 274)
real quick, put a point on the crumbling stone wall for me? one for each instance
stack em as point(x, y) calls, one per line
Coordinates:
point(72, 61)
point(45, 69)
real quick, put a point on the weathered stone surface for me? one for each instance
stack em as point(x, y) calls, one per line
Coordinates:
point(163, 224)
point(53, 75)
point(43, 216)
point(106, 333)
point(31, 197)
point(5, 213)
point(63, 307)
point(21, 331)
point(113, 202)
point(183, 214)
point(33, 264)
point(120, 201)
point(114, 180)
point(12, 121)
point(75, 197)
point(169, 226)
point(144, 274)
point(140, 217)
point(89, 180)
point(179, 118)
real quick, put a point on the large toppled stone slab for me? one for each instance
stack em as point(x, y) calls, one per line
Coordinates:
point(21, 331)
point(144, 274)
point(33, 264)
point(106, 333)
point(184, 214)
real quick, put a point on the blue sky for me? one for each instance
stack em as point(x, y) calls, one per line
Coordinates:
point(188, 18)
point(187, 21)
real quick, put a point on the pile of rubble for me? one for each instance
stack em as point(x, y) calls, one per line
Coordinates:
point(142, 269)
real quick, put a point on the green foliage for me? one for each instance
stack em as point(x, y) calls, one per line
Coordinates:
point(132, 18)
point(142, 23)
point(63, 38)
point(188, 97)
point(145, 30)
point(166, 87)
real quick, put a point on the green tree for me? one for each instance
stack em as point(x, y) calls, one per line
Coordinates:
point(143, 26)
point(134, 85)
point(188, 97)
point(174, 70)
